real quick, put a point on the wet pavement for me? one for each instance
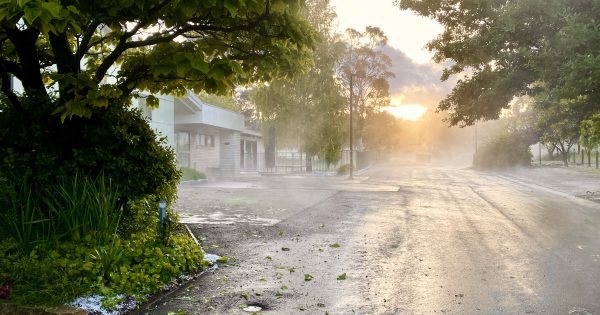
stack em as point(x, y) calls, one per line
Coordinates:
point(399, 239)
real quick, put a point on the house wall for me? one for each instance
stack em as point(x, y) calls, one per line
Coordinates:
point(230, 152)
point(203, 157)
point(162, 119)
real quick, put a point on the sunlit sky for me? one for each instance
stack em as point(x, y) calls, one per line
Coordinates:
point(404, 29)
point(407, 33)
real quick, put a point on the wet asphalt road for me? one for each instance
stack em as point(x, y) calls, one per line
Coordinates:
point(412, 240)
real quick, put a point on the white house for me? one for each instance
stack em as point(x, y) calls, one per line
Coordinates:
point(205, 137)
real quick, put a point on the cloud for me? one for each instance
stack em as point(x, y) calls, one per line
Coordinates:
point(416, 83)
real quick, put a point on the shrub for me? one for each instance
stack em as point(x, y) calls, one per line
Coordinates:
point(69, 210)
point(116, 141)
point(191, 174)
point(344, 169)
point(501, 151)
point(135, 266)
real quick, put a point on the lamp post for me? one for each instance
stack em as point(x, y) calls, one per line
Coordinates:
point(351, 127)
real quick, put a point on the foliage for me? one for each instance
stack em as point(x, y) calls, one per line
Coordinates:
point(308, 111)
point(94, 54)
point(72, 239)
point(501, 151)
point(365, 70)
point(220, 101)
point(590, 132)
point(68, 211)
point(559, 125)
point(134, 266)
point(191, 174)
point(509, 48)
point(116, 141)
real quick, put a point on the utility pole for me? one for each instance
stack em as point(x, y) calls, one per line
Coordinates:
point(351, 127)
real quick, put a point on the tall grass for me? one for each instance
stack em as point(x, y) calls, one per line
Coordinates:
point(73, 209)
point(21, 216)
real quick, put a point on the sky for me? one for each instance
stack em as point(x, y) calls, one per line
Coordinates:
point(417, 77)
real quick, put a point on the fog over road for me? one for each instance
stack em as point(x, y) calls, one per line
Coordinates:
point(412, 240)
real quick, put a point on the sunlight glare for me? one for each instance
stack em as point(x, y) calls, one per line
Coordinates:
point(412, 112)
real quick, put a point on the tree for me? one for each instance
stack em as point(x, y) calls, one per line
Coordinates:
point(84, 54)
point(590, 134)
point(558, 125)
point(83, 61)
point(365, 70)
point(510, 48)
point(308, 111)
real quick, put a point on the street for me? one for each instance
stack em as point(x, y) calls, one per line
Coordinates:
point(410, 239)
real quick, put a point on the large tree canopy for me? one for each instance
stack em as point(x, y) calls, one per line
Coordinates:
point(508, 48)
point(87, 53)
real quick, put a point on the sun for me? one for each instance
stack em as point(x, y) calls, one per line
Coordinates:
point(412, 112)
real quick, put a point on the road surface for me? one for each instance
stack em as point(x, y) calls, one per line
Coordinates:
point(410, 239)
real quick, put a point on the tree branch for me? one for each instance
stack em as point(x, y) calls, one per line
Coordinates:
point(85, 40)
point(168, 36)
point(25, 45)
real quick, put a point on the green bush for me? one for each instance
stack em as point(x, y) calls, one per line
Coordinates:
point(191, 174)
point(116, 141)
point(502, 151)
point(135, 266)
point(67, 211)
point(344, 169)
point(79, 204)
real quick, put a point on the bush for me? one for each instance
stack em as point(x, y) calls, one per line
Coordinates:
point(115, 141)
point(79, 204)
point(135, 266)
point(344, 169)
point(502, 151)
point(69, 210)
point(191, 174)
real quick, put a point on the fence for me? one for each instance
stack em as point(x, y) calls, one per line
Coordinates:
point(288, 162)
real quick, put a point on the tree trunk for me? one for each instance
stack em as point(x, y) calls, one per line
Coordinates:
point(589, 152)
point(550, 149)
point(308, 163)
point(565, 158)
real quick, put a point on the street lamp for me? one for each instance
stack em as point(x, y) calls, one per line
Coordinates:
point(351, 126)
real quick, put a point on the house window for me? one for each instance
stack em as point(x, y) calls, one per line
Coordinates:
point(210, 141)
point(182, 149)
point(205, 140)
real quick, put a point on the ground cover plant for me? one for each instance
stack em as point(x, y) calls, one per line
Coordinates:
point(188, 173)
point(69, 241)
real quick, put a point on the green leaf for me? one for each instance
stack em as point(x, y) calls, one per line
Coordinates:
point(52, 7)
point(307, 277)
point(231, 7)
point(100, 102)
point(31, 14)
point(342, 276)
point(152, 102)
point(199, 64)
point(21, 3)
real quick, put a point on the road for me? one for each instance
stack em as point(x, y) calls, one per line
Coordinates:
point(412, 240)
